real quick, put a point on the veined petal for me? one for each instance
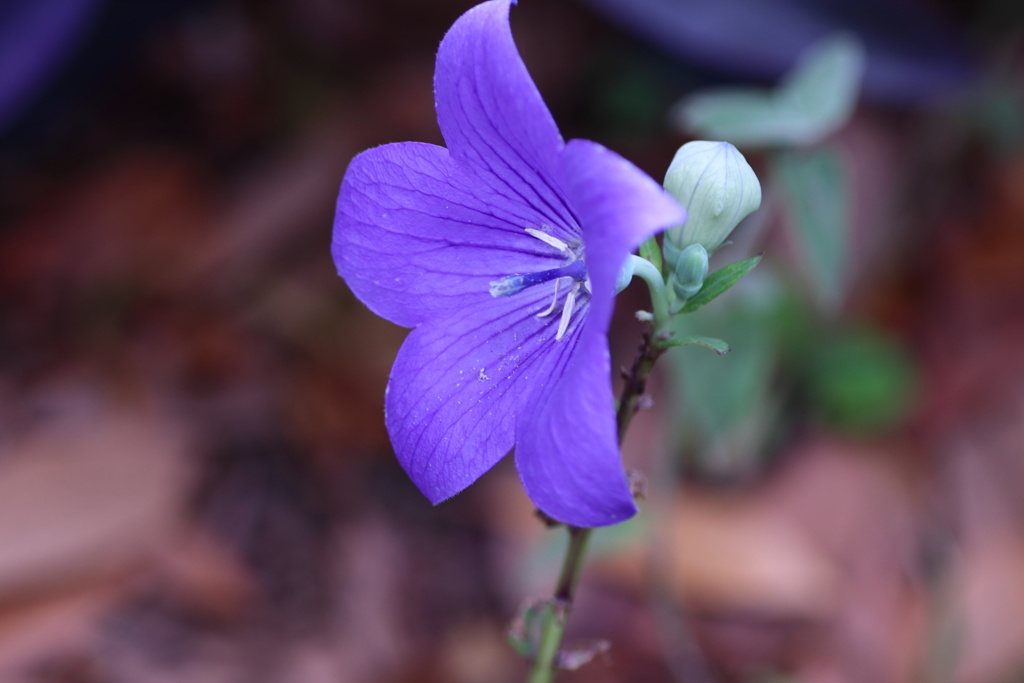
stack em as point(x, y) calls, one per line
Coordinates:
point(567, 448)
point(459, 385)
point(415, 240)
point(494, 120)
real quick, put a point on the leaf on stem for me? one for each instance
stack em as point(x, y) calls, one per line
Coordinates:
point(717, 345)
point(814, 99)
point(718, 283)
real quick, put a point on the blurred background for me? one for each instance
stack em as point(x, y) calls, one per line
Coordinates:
point(195, 480)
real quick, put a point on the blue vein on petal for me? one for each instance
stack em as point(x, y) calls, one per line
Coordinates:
point(529, 304)
point(557, 363)
point(499, 113)
point(509, 228)
point(552, 211)
point(539, 353)
point(510, 225)
point(412, 186)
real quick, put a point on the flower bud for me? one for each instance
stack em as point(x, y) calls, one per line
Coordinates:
point(690, 270)
point(718, 189)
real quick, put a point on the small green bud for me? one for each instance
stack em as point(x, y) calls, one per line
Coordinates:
point(690, 271)
point(718, 189)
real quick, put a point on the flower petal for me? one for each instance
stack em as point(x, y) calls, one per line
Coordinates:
point(415, 240)
point(460, 384)
point(567, 448)
point(494, 120)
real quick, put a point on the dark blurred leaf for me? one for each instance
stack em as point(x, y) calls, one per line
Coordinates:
point(36, 37)
point(914, 52)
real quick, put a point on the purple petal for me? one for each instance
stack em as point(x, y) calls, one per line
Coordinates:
point(36, 38)
point(416, 240)
point(566, 447)
point(460, 384)
point(494, 120)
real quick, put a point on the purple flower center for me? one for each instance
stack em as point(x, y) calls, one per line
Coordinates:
point(513, 284)
point(575, 269)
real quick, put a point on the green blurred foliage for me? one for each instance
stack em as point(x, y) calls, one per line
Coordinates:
point(813, 100)
point(814, 188)
point(861, 382)
point(788, 368)
point(725, 402)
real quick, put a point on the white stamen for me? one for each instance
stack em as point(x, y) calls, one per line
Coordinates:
point(548, 239)
point(554, 301)
point(570, 303)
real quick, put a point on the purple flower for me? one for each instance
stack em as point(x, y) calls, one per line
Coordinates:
point(502, 253)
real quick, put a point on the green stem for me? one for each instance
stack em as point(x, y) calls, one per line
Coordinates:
point(636, 381)
point(546, 662)
point(650, 274)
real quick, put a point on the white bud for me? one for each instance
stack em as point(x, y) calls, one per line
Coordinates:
point(718, 189)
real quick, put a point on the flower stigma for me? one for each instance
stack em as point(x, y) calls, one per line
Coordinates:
point(574, 269)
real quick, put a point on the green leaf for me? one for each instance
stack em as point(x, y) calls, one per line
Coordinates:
point(862, 382)
point(728, 409)
point(718, 282)
point(717, 345)
point(813, 100)
point(814, 187)
point(824, 84)
point(652, 252)
point(746, 117)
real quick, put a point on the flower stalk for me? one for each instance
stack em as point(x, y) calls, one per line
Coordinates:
point(503, 252)
point(650, 274)
point(716, 206)
point(545, 664)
